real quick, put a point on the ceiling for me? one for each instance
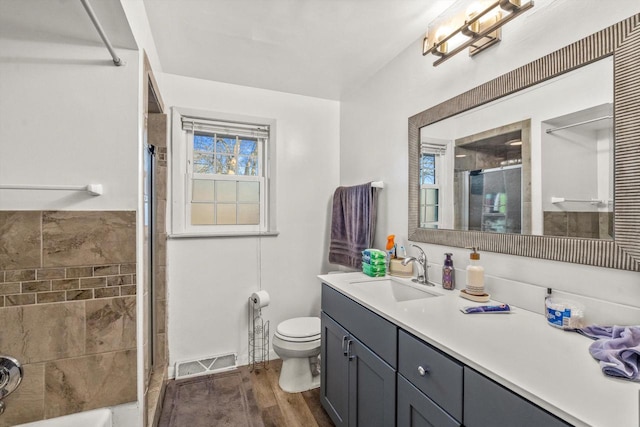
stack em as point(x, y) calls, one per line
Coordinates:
point(64, 21)
point(320, 48)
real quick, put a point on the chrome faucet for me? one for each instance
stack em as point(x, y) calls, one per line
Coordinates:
point(11, 374)
point(423, 265)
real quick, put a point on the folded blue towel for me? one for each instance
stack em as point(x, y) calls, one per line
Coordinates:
point(618, 350)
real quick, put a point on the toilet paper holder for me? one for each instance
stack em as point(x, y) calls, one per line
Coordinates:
point(258, 331)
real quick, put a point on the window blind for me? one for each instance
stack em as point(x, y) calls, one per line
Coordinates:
point(431, 148)
point(193, 124)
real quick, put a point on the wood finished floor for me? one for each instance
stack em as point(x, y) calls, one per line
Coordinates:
point(276, 408)
point(280, 409)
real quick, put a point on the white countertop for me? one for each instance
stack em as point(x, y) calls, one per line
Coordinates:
point(546, 365)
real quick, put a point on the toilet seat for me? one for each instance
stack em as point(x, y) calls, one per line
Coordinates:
point(299, 329)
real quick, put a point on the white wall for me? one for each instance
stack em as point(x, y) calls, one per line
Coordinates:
point(373, 137)
point(68, 116)
point(210, 279)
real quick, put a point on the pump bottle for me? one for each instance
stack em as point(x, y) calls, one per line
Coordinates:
point(475, 274)
point(448, 273)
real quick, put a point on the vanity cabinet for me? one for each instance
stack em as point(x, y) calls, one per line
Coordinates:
point(435, 389)
point(358, 385)
point(375, 374)
point(489, 404)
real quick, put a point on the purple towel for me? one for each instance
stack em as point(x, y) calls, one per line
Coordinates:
point(595, 332)
point(353, 223)
point(618, 350)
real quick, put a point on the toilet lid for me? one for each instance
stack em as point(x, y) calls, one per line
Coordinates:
point(299, 327)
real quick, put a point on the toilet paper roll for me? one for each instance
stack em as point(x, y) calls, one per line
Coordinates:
point(260, 299)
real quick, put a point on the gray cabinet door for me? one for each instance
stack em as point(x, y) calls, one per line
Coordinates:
point(489, 404)
point(416, 410)
point(334, 384)
point(372, 388)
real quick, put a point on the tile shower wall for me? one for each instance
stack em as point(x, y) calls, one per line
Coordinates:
point(68, 310)
point(592, 225)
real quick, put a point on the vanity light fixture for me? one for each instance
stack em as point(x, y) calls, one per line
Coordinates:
point(481, 26)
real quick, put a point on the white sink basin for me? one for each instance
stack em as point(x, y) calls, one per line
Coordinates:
point(398, 290)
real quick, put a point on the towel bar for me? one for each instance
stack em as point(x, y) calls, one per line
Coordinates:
point(93, 189)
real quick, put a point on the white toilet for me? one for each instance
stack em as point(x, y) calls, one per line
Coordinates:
point(297, 342)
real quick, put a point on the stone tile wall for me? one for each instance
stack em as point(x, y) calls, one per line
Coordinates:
point(592, 225)
point(46, 285)
point(68, 310)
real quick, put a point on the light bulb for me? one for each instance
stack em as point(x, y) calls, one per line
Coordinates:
point(441, 34)
point(472, 11)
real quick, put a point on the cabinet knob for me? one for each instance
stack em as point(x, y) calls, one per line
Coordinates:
point(422, 371)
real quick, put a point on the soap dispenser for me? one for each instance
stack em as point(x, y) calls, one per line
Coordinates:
point(475, 274)
point(448, 273)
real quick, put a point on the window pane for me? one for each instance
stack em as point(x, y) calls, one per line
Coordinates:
point(248, 191)
point(202, 143)
point(248, 157)
point(202, 162)
point(225, 164)
point(429, 207)
point(247, 166)
point(432, 196)
point(202, 214)
point(203, 190)
point(249, 214)
point(225, 144)
point(226, 191)
point(431, 214)
point(427, 169)
point(226, 214)
point(248, 147)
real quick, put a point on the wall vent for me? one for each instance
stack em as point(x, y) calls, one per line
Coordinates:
point(206, 366)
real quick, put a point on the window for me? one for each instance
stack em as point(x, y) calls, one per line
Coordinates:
point(224, 174)
point(430, 165)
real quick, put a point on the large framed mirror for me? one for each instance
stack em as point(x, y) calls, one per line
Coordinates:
point(539, 214)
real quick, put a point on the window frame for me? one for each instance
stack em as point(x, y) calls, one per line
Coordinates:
point(182, 177)
point(437, 177)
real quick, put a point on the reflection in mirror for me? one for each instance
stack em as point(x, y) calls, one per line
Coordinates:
point(577, 188)
point(432, 173)
point(488, 180)
point(495, 168)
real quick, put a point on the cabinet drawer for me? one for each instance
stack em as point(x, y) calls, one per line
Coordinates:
point(442, 377)
point(489, 404)
point(378, 334)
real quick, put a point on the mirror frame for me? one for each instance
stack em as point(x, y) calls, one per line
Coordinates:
point(622, 41)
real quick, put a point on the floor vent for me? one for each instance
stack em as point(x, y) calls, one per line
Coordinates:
point(209, 365)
